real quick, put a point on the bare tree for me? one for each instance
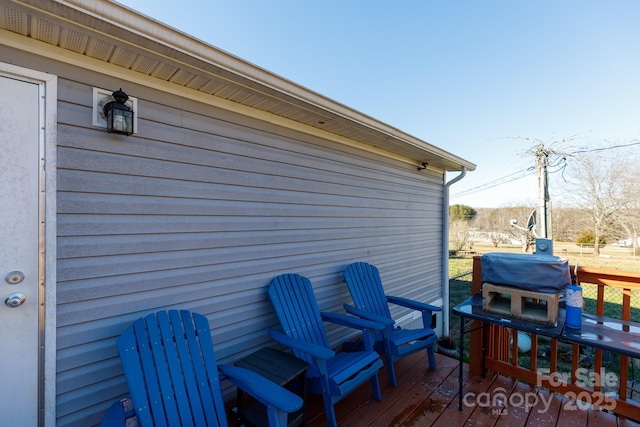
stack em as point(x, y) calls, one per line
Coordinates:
point(629, 218)
point(568, 222)
point(460, 216)
point(596, 187)
point(458, 235)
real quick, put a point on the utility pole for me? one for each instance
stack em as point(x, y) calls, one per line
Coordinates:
point(543, 211)
point(542, 163)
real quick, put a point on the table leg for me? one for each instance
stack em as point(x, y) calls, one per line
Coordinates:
point(484, 350)
point(239, 404)
point(461, 350)
point(303, 386)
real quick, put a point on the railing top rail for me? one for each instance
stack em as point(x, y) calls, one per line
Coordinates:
point(616, 278)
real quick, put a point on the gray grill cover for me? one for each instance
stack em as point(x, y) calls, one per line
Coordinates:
point(539, 273)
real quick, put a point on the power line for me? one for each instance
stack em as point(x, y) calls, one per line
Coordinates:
point(500, 181)
point(560, 164)
point(607, 148)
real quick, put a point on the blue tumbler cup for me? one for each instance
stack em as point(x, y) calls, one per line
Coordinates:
point(574, 306)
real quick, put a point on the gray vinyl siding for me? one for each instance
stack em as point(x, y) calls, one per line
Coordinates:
point(200, 210)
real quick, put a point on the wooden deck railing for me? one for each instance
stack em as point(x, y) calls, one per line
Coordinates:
point(502, 353)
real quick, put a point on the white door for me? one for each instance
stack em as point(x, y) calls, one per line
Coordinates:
point(20, 240)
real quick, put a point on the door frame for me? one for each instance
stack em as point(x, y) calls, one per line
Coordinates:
point(47, 140)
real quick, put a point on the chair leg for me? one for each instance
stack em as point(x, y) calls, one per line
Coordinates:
point(327, 399)
point(432, 357)
point(375, 387)
point(329, 411)
point(276, 417)
point(392, 371)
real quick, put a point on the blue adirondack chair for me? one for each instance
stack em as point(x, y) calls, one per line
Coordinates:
point(365, 286)
point(331, 374)
point(173, 377)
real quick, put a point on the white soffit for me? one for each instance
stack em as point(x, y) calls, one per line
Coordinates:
point(109, 32)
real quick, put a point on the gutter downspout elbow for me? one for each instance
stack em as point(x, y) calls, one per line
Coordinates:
point(445, 252)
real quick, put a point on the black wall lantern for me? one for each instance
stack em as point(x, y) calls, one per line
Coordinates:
point(119, 115)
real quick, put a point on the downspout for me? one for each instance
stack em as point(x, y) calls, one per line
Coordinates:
point(445, 252)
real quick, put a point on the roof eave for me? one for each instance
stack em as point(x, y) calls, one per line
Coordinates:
point(128, 29)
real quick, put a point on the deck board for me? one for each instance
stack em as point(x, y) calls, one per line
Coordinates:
point(427, 397)
point(417, 380)
point(516, 411)
point(572, 418)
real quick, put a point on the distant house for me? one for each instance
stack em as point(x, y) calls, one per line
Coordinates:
point(233, 175)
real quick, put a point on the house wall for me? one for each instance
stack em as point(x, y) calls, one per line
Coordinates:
point(199, 210)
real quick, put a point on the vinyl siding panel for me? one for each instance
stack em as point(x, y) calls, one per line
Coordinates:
point(200, 210)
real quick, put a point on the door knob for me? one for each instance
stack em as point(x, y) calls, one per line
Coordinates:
point(15, 299)
point(14, 277)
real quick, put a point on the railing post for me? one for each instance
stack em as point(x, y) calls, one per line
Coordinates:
point(475, 340)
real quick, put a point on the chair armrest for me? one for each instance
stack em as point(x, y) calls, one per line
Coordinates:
point(370, 316)
point(415, 305)
point(311, 349)
point(351, 322)
point(267, 392)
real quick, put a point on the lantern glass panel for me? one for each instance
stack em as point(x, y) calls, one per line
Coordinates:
point(120, 119)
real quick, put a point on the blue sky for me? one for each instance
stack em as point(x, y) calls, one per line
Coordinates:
point(480, 79)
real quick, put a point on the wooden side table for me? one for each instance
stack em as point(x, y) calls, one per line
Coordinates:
point(281, 368)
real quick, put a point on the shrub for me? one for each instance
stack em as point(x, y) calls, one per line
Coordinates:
point(586, 237)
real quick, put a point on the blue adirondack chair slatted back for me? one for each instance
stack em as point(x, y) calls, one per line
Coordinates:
point(171, 371)
point(296, 308)
point(365, 286)
point(367, 292)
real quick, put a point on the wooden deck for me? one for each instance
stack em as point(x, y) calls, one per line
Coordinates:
point(430, 398)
